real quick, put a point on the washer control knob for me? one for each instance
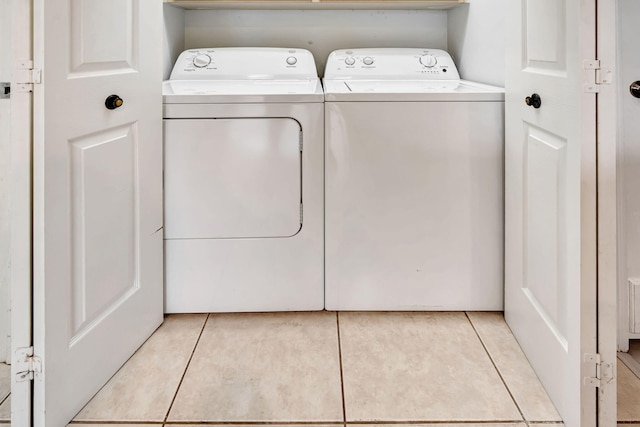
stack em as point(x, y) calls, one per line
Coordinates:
point(201, 60)
point(367, 60)
point(349, 60)
point(428, 60)
point(292, 60)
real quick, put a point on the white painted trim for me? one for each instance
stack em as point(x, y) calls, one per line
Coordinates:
point(21, 142)
point(5, 166)
point(607, 214)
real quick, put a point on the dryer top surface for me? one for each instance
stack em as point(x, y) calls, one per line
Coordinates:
point(241, 75)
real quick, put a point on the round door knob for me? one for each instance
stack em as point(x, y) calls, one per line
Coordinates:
point(533, 101)
point(635, 89)
point(113, 101)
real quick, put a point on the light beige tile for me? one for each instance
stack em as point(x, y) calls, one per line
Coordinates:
point(269, 425)
point(544, 424)
point(514, 367)
point(263, 367)
point(628, 395)
point(143, 388)
point(419, 367)
point(5, 410)
point(5, 380)
point(521, 424)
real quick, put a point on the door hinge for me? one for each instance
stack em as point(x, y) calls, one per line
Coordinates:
point(27, 364)
point(300, 141)
point(601, 76)
point(300, 213)
point(26, 76)
point(604, 373)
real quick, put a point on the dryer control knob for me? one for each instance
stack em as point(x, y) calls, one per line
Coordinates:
point(202, 60)
point(292, 60)
point(367, 60)
point(349, 60)
point(428, 60)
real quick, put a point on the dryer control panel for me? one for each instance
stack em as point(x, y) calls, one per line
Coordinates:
point(391, 63)
point(244, 63)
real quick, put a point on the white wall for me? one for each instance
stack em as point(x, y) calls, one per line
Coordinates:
point(629, 160)
point(476, 40)
point(173, 42)
point(319, 31)
point(5, 157)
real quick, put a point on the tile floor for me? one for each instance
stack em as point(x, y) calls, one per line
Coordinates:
point(328, 369)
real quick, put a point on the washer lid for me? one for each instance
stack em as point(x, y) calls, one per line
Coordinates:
point(241, 91)
point(410, 90)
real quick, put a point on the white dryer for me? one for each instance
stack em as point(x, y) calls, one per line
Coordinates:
point(243, 181)
point(413, 182)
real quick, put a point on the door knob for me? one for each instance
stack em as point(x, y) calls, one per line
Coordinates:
point(113, 101)
point(635, 89)
point(533, 101)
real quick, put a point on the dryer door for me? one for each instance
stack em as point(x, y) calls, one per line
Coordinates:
point(232, 178)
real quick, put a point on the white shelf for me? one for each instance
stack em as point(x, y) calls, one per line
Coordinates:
point(316, 4)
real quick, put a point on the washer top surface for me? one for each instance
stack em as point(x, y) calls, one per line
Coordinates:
point(240, 75)
point(389, 74)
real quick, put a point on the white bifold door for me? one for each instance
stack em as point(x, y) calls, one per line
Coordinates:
point(550, 178)
point(97, 194)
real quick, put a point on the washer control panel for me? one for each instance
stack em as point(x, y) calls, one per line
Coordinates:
point(391, 63)
point(238, 63)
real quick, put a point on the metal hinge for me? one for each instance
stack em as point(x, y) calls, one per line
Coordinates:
point(27, 364)
point(602, 76)
point(593, 363)
point(300, 213)
point(300, 141)
point(26, 76)
point(604, 373)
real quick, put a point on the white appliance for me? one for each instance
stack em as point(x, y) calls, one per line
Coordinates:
point(243, 181)
point(413, 182)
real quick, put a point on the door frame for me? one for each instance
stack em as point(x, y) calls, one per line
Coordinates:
point(21, 204)
point(21, 210)
point(607, 213)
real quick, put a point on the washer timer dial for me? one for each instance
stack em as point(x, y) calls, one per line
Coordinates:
point(201, 60)
point(428, 60)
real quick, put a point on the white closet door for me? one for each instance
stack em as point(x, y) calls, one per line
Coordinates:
point(550, 296)
point(97, 195)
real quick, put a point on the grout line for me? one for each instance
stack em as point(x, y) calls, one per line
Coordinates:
point(187, 367)
point(5, 398)
point(344, 407)
point(495, 366)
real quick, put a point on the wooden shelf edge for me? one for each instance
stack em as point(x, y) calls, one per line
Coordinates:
point(319, 5)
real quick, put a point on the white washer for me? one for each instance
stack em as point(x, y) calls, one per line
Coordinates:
point(243, 181)
point(413, 183)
